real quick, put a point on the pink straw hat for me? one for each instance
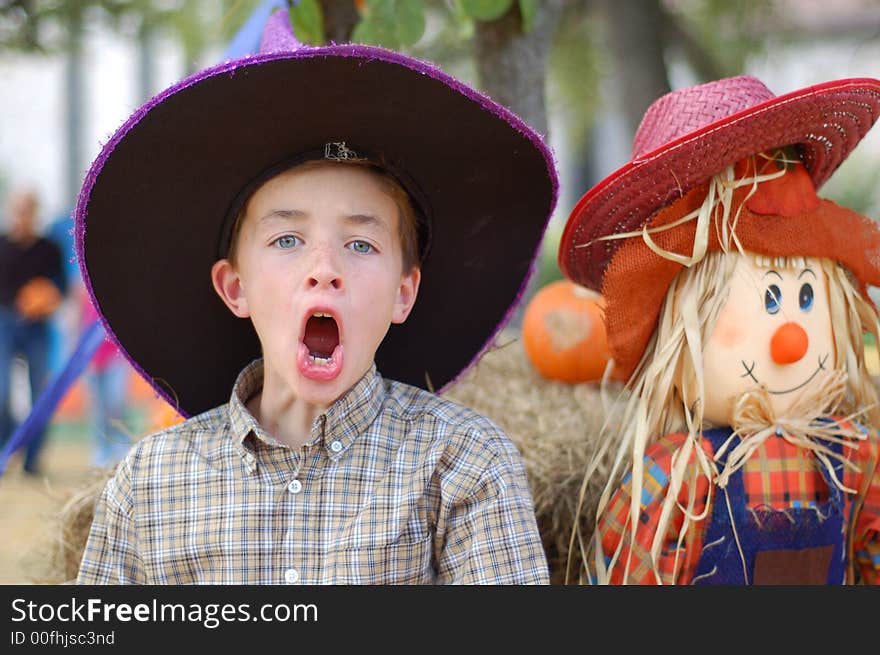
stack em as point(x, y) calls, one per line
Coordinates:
point(689, 135)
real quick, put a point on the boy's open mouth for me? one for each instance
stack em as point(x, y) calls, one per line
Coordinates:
point(321, 336)
point(320, 350)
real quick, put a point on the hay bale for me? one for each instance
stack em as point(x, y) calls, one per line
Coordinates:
point(556, 426)
point(56, 556)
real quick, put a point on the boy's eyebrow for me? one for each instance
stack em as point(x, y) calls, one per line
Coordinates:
point(283, 213)
point(356, 219)
point(365, 219)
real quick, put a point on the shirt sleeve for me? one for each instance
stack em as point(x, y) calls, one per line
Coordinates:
point(111, 554)
point(613, 530)
point(866, 540)
point(487, 532)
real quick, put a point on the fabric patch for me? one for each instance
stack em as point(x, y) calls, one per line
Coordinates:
point(793, 567)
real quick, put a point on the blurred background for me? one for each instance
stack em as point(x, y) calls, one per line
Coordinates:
point(580, 71)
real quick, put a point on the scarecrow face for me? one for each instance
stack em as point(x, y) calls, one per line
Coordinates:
point(319, 273)
point(774, 331)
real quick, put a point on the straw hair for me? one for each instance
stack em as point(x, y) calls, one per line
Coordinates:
point(754, 421)
point(667, 385)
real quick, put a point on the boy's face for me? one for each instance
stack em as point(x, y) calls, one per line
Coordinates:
point(319, 272)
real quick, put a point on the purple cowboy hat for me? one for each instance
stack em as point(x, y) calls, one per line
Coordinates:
point(150, 217)
point(691, 134)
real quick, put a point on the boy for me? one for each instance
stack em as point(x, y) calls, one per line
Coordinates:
point(318, 469)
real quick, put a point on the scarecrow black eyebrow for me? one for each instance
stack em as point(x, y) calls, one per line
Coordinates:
point(806, 270)
point(774, 273)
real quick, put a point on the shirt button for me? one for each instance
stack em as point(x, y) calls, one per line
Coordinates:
point(336, 446)
point(295, 487)
point(291, 576)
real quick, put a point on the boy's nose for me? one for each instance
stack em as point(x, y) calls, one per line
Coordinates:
point(789, 343)
point(324, 273)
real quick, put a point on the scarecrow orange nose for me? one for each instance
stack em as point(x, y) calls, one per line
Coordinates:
point(789, 343)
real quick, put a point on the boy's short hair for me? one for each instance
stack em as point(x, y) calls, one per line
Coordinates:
point(407, 218)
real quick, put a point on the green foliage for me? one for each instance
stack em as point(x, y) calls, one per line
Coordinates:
point(854, 185)
point(307, 20)
point(485, 10)
point(45, 25)
point(574, 70)
point(548, 268)
point(391, 23)
point(529, 10)
point(727, 32)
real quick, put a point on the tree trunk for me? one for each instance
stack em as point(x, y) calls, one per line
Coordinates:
point(634, 38)
point(340, 18)
point(511, 64)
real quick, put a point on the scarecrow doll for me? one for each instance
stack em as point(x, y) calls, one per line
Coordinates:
point(736, 306)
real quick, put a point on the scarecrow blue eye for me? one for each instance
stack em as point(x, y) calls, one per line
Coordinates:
point(361, 247)
point(772, 299)
point(805, 297)
point(286, 242)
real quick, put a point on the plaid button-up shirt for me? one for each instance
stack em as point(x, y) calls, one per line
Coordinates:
point(394, 486)
point(779, 475)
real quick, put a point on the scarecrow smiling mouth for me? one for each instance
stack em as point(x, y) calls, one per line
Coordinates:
point(751, 368)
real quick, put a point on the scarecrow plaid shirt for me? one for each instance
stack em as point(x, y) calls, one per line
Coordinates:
point(778, 475)
point(395, 486)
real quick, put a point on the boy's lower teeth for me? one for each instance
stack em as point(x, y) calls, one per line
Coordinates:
point(322, 361)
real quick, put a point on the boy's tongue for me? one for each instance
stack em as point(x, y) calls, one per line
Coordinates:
point(322, 336)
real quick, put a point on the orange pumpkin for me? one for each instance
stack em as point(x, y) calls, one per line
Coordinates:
point(564, 333)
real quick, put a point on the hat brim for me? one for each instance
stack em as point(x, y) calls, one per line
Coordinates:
point(148, 216)
point(826, 121)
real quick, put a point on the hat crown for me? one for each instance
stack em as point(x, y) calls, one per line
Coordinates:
point(278, 34)
point(687, 110)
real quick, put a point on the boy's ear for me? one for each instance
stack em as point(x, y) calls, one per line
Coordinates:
point(406, 295)
point(227, 284)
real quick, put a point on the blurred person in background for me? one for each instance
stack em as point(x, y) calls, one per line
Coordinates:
point(32, 287)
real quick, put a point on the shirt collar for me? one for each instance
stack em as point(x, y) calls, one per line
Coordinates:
point(350, 415)
point(336, 428)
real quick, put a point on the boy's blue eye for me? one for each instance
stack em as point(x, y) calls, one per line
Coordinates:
point(805, 297)
point(286, 242)
point(361, 247)
point(772, 299)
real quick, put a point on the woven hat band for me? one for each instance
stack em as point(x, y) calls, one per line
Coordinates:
point(687, 110)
